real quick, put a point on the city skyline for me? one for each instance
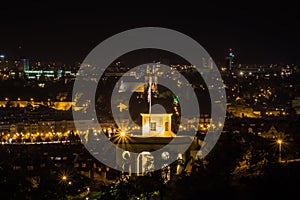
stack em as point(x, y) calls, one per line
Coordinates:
point(85, 119)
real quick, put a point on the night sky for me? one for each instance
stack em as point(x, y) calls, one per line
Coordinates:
point(259, 34)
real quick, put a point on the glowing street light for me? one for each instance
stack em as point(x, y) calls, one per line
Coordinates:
point(279, 141)
point(64, 178)
point(122, 134)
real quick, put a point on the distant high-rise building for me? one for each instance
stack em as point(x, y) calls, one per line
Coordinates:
point(25, 63)
point(229, 59)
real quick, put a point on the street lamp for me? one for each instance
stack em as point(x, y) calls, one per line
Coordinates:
point(122, 134)
point(279, 141)
point(64, 178)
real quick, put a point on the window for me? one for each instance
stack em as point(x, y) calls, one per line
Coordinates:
point(166, 126)
point(152, 126)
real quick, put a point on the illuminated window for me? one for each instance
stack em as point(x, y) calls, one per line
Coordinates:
point(152, 126)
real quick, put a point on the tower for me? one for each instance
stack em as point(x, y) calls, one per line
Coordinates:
point(25, 63)
point(229, 59)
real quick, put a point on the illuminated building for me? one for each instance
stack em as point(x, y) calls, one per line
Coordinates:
point(160, 125)
point(37, 74)
point(25, 63)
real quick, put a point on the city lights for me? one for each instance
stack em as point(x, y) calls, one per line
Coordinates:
point(133, 137)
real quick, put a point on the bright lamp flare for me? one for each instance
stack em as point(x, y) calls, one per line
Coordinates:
point(122, 134)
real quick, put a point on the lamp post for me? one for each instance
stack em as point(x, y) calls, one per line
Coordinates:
point(279, 141)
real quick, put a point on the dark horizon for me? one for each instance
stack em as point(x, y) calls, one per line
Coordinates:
point(259, 34)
